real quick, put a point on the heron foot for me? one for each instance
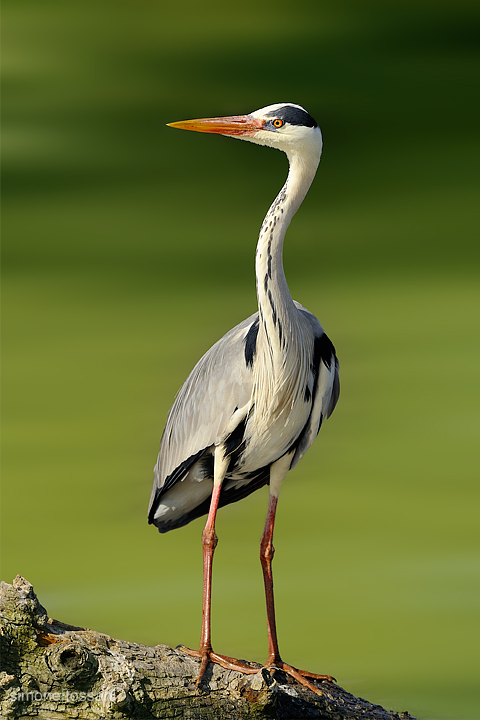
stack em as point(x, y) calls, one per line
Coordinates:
point(225, 661)
point(230, 663)
point(299, 675)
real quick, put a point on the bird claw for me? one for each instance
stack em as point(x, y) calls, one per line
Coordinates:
point(224, 661)
point(230, 663)
point(300, 675)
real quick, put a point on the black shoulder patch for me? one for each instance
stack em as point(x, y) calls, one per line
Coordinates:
point(323, 350)
point(251, 343)
point(294, 116)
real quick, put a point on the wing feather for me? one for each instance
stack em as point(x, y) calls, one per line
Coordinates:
point(326, 389)
point(217, 403)
point(211, 402)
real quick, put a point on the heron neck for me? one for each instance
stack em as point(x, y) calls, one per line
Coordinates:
point(275, 302)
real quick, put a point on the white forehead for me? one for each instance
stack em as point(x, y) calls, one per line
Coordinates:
point(277, 106)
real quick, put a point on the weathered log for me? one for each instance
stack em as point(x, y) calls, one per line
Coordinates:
point(52, 670)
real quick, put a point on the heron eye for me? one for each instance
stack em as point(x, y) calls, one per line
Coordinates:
point(278, 123)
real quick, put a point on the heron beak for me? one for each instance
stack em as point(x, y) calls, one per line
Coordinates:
point(235, 125)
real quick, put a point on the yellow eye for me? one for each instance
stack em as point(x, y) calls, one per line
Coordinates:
point(277, 123)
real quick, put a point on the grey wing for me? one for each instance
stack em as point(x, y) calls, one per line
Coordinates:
point(210, 404)
point(324, 384)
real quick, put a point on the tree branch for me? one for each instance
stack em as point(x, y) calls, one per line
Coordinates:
point(53, 671)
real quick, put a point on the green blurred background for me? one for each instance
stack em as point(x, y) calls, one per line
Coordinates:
point(128, 250)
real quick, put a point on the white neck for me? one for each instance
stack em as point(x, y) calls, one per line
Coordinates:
point(283, 360)
point(275, 303)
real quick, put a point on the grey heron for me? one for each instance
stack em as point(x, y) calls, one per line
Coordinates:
point(254, 403)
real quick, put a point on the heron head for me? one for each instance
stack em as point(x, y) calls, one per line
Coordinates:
point(284, 126)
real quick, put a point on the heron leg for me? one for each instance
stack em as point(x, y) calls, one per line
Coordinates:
point(209, 543)
point(278, 472)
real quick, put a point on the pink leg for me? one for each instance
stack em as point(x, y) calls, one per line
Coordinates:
point(205, 652)
point(267, 552)
point(266, 556)
point(209, 542)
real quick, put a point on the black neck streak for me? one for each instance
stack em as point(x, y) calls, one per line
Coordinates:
point(274, 299)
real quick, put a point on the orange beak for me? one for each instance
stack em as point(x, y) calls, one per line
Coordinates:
point(235, 125)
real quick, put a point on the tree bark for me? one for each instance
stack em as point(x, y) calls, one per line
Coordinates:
point(51, 670)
